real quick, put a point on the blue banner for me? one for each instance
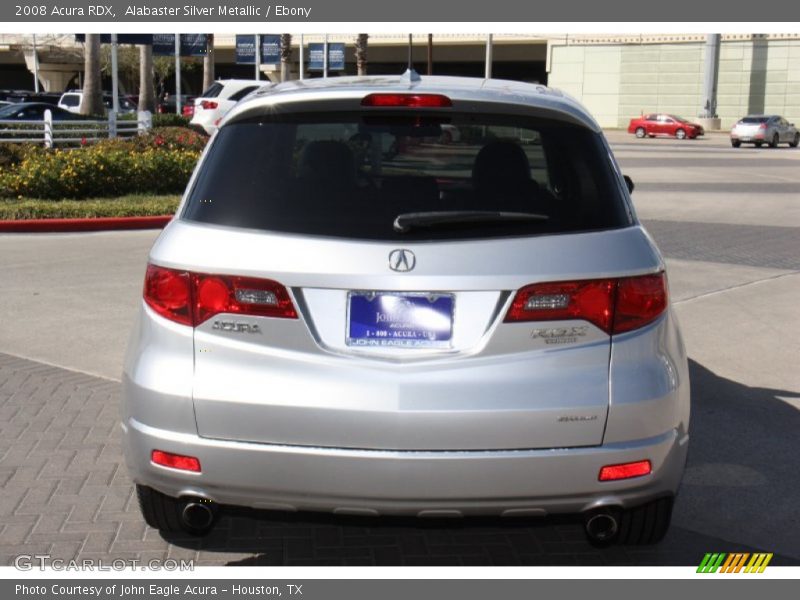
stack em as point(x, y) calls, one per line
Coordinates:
point(143, 39)
point(245, 49)
point(192, 44)
point(270, 49)
point(316, 53)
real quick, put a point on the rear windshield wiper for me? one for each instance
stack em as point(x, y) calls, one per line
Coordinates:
point(408, 221)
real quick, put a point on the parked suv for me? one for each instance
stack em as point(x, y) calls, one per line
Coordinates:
point(219, 98)
point(72, 99)
point(339, 320)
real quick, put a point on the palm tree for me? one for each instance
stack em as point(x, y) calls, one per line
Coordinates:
point(208, 62)
point(361, 53)
point(147, 93)
point(92, 103)
point(286, 55)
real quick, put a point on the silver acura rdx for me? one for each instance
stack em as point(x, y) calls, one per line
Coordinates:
point(352, 314)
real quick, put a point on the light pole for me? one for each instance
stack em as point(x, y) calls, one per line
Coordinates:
point(178, 73)
point(35, 66)
point(708, 111)
point(488, 73)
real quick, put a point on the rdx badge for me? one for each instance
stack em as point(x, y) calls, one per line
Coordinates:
point(236, 327)
point(560, 335)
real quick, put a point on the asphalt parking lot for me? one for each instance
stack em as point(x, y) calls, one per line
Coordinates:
point(728, 222)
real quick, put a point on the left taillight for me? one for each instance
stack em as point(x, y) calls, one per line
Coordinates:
point(192, 298)
point(216, 294)
point(169, 293)
point(614, 305)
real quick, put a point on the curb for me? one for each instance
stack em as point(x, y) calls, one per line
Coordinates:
point(94, 224)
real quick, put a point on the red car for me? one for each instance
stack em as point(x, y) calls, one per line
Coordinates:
point(662, 124)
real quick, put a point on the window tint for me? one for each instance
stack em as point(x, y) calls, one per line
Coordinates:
point(71, 100)
point(352, 175)
point(243, 92)
point(213, 91)
point(7, 111)
point(752, 120)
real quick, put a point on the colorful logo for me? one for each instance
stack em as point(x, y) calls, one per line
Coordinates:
point(734, 563)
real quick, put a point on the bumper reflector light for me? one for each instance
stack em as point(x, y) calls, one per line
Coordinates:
point(625, 470)
point(175, 461)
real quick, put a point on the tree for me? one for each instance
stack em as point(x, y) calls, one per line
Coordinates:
point(92, 103)
point(361, 53)
point(208, 62)
point(127, 65)
point(286, 55)
point(147, 94)
point(164, 69)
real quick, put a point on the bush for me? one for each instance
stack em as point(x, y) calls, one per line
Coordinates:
point(149, 164)
point(124, 206)
point(13, 154)
point(171, 138)
point(169, 120)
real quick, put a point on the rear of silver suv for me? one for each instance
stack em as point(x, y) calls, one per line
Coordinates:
point(349, 315)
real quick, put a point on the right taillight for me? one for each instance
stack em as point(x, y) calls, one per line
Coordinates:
point(192, 298)
point(640, 300)
point(208, 104)
point(614, 305)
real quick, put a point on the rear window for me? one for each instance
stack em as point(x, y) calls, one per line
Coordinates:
point(213, 91)
point(243, 92)
point(353, 175)
point(754, 120)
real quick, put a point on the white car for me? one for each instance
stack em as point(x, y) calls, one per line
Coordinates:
point(71, 101)
point(217, 100)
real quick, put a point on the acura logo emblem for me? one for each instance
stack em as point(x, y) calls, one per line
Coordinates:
point(402, 260)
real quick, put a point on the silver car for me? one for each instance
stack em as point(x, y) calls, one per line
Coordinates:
point(764, 129)
point(348, 315)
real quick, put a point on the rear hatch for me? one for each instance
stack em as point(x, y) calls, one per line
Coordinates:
point(751, 127)
point(361, 284)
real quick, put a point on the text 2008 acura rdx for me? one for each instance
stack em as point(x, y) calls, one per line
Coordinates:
point(349, 315)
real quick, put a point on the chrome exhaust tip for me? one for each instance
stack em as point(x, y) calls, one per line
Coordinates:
point(198, 515)
point(602, 527)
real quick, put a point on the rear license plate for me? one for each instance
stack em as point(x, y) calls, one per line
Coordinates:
point(400, 319)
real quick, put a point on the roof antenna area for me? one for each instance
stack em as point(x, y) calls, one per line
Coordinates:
point(410, 75)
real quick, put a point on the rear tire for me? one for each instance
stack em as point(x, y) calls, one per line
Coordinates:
point(680, 134)
point(165, 513)
point(796, 141)
point(736, 143)
point(774, 141)
point(640, 132)
point(646, 524)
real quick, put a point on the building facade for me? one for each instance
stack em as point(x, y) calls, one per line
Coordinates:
point(616, 76)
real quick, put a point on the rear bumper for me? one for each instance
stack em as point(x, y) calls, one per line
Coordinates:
point(205, 120)
point(421, 483)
